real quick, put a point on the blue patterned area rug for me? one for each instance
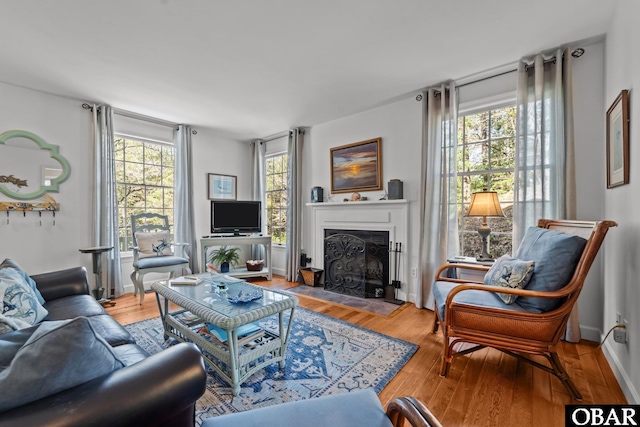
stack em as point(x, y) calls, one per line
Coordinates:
point(324, 356)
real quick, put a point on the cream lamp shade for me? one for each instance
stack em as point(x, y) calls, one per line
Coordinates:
point(484, 203)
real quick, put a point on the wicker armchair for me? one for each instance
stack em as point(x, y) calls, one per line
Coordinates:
point(469, 325)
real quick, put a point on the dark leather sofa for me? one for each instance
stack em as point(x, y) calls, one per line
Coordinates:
point(156, 390)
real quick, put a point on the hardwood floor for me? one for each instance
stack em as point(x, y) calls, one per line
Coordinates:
point(485, 388)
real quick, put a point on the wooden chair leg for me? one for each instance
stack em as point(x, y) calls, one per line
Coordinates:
point(436, 323)
point(447, 356)
point(562, 375)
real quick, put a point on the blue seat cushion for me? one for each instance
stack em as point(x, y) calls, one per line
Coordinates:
point(359, 408)
point(472, 297)
point(161, 261)
point(556, 256)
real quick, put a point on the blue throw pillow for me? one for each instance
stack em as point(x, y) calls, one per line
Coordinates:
point(58, 355)
point(9, 263)
point(556, 255)
point(509, 272)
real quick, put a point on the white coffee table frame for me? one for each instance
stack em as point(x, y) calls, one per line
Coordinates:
point(233, 362)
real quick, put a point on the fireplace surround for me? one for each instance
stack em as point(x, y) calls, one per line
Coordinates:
point(390, 216)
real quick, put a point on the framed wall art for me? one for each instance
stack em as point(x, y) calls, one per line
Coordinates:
point(618, 141)
point(357, 166)
point(221, 187)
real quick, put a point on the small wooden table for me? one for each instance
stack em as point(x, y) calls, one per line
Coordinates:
point(205, 302)
point(96, 254)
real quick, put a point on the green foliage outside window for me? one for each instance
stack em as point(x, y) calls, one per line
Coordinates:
point(145, 182)
point(486, 159)
point(276, 198)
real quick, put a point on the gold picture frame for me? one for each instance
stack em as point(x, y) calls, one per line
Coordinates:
point(357, 166)
point(618, 141)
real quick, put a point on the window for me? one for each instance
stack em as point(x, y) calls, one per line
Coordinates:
point(276, 197)
point(486, 159)
point(144, 178)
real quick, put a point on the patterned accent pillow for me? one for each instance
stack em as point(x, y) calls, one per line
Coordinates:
point(18, 300)
point(153, 244)
point(509, 272)
point(9, 263)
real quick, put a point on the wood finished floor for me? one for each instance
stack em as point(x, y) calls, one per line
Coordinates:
point(485, 388)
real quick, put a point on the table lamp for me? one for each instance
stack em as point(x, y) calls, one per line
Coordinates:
point(484, 203)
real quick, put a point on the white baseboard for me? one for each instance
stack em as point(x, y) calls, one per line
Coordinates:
point(591, 334)
point(628, 388)
point(278, 271)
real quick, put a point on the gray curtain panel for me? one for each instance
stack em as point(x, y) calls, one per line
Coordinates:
point(545, 178)
point(105, 203)
point(184, 222)
point(438, 210)
point(259, 188)
point(294, 207)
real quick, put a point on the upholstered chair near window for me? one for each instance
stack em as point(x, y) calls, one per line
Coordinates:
point(523, 306)
point(153, 251)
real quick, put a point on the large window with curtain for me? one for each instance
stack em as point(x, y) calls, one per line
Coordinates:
point(276, 198)
point(145, 181)
point(486, 159)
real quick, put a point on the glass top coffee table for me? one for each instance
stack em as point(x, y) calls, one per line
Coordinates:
point(206, 306)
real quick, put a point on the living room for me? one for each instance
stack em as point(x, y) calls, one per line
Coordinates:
point(609, 65)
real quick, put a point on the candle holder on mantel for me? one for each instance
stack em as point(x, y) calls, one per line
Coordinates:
point(96, 254)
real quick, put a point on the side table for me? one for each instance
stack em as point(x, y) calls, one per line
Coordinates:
point(96, 254)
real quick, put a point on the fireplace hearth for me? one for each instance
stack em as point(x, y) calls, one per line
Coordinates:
point(356, 262)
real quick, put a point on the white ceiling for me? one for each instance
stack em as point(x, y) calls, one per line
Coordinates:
point(252, 68)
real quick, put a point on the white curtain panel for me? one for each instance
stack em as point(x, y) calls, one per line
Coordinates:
point(294, 205)
point(438, 192)
point(545, 166)
point(545, 179)
point(259, 188)
point(105, 203)
point(183, 219)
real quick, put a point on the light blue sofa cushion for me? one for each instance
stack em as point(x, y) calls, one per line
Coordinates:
point(472, 297)
point(359, 408)
point(160, 261)
point(58, 355)
point(9, 263)
point(556, 256)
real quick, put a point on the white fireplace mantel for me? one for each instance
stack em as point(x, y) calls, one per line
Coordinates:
point(376, 215)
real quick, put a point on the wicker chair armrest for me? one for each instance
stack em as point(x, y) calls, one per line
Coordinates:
point(500, 289)
point(411, 409)
point(447, 266)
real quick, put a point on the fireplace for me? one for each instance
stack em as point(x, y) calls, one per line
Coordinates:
point(356, 262)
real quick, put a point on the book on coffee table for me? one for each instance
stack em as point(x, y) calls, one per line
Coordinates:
point(185, 280)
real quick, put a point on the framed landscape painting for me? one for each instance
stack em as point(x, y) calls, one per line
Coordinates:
point(618, 141)
point(221, 187)
point(357, 166)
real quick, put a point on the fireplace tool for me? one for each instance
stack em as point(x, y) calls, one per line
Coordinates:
point(392, 289)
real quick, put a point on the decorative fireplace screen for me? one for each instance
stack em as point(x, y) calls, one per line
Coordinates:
point(356, 262)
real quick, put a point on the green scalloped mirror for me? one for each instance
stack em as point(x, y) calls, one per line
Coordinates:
point(29, 166)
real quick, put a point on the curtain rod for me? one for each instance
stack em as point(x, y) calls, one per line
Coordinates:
point(142, 117)
point(576, 53)
point(275, 136)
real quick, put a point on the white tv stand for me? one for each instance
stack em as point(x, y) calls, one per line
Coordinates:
point(223, 240)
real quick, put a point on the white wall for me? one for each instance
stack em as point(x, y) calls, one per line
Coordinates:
point(622, 258)
point(63, 122)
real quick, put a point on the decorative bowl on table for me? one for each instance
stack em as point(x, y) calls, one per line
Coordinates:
point(243, 297)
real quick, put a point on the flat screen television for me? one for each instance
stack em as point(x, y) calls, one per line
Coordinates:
point(236, 216)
